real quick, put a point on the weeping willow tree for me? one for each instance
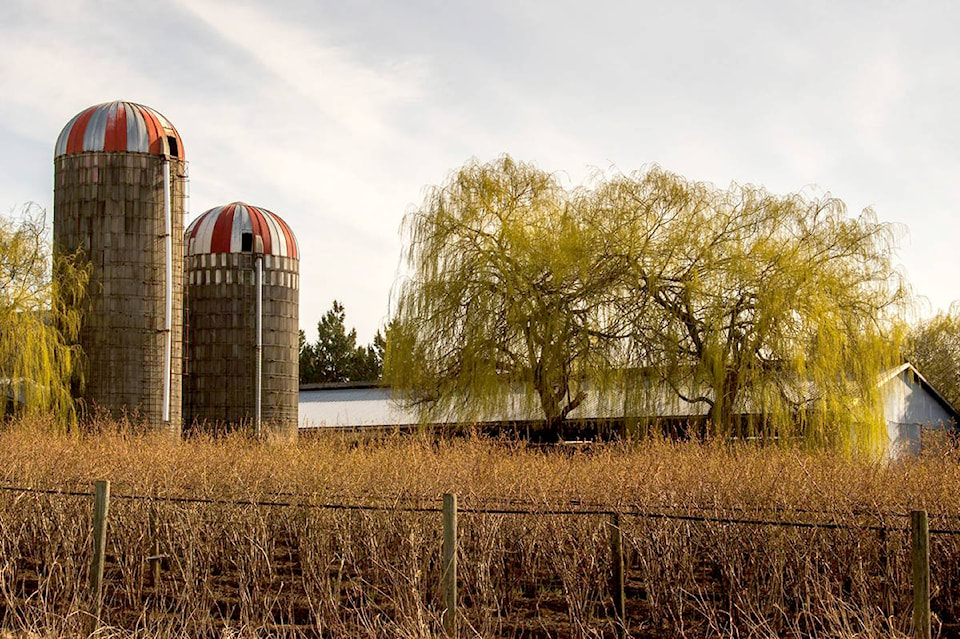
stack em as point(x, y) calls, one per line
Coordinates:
point(777, 313)
point(39, 321)
point(506, 312)
point(773, 315)
point(934, 348)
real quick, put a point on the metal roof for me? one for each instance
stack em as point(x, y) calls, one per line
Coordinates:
point(221, 230)
point(330, 405)
point(352, 407)
point(122, 127)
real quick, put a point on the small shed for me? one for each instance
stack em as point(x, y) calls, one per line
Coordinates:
point(911, 405)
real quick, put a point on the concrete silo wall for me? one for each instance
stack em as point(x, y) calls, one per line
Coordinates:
point(111, 205)
point(220, 366)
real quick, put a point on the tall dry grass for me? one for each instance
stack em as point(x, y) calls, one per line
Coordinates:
point(302, 570)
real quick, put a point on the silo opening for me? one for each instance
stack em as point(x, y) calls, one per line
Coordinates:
point(246, 242)
point(172, 145)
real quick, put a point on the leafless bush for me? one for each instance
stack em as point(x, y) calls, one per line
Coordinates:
point(284, 563)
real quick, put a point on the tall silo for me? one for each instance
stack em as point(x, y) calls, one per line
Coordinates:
point(242, 349)
point(119, 196)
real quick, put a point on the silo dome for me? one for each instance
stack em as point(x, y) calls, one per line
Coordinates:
point(119, 127)
point(221, 383)
point(119, 199)
point(229, 228)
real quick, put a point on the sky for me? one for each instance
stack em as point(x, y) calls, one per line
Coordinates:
point(338, 115)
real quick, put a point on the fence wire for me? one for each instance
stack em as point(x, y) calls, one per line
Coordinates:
point(304, 501)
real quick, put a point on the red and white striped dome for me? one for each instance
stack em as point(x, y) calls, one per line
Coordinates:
point(222, 230)
point(119, 126)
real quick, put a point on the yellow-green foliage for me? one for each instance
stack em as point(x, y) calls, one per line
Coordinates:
point(781, 308)
point(935, 350)
point(509, 289)
point(39, 321)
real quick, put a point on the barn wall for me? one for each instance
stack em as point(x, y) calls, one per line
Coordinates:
point(352, 407)
point(909, 408)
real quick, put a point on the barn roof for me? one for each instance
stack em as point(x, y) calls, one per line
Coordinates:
point(370, 405)
point(121, 127)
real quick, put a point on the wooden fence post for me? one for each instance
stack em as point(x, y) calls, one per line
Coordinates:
point(450, 565)
point(885, 584)
point(155, 559)
point(617, 582)
point(101, 508)
point(920, 546)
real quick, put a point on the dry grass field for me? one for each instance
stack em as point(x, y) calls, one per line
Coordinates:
point(293, 566)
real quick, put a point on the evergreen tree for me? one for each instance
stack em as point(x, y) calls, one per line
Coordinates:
point(335, 356)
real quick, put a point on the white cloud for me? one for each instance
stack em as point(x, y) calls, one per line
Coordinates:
point(354, 96)
point(45, 79)
point(877, 91)
point(336, 117)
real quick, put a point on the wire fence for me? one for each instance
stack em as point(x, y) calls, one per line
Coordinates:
point(916, 528)
point(527, 508)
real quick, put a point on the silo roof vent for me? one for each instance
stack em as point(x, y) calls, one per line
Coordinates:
point(240, 228)
point(118, 126)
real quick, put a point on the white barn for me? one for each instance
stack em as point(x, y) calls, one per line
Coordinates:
point(911, 406)
point(348, 405)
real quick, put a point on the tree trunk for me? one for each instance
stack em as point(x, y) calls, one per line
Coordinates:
point(552, 432)
point(723, 416)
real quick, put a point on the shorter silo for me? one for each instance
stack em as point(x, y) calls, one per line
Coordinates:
point(241, 328)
